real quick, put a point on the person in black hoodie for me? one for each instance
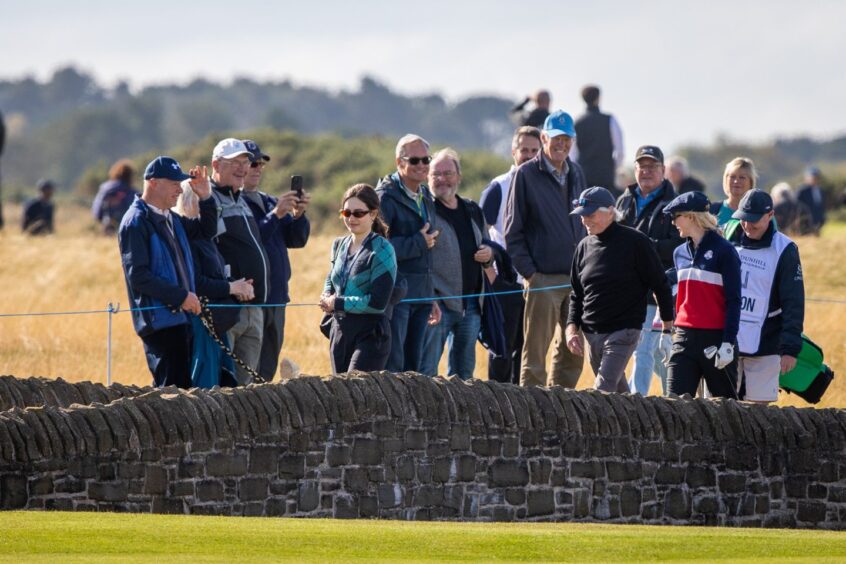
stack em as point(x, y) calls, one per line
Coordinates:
point(642, 206)
point(614, 268)
point(239, 241)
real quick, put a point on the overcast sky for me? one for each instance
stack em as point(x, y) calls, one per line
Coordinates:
point(671, 71)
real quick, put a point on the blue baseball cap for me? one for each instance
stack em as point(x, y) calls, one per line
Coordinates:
point(256, 153)
point(559, 123)
point(165, 167)
point(688, 202)
point(754, 205)
point(591, 200)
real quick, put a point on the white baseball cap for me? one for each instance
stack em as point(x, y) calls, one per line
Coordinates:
point(229, 148)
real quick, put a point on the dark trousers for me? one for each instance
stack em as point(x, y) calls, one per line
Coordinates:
point(408, 333)
point(169, 355)
point(506, 368)
point(271, 342)
point(359, 342)
point(688, 364)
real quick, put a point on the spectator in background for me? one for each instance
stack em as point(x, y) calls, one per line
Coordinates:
point(599, 143)
point(642, 206)
point(408, 209)
point(614, 269)
point(159, 269)
point(283, 225)
point(541, 238)
point(114, 196)
point(38, 212)
point(2, 143)
point(679, 174)
point(773, 298)
point(707, 304)
point(457, 259)
point(813, 197)
point(535, 118)
point(791, 216)
point(359, 286)
point(739, 177)
point(210, 365)
point(525, 145)
point(239, 241)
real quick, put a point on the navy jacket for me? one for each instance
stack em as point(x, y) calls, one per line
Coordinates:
point(652, 221)
point(148, 263)
point(540, 234)
point(414, 259)
point(279, 235)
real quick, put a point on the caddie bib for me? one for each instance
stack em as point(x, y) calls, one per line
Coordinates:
point(757, 274)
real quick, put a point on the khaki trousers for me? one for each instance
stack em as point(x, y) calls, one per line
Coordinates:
point(546, 310)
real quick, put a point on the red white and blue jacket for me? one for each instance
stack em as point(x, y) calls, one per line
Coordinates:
point(709, 285)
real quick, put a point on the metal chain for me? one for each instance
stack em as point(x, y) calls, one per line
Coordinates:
point(208, 322)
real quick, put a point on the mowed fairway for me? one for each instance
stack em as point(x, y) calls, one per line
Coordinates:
point(95, 537)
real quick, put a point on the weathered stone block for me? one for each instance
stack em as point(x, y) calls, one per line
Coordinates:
point(415, 439)
point(253, 489)
point(811, 511)
point(465, 468)
point(308, 497)
point(515, 496)
point(155, 480)
point(389, 495)
point(669, 474)
point(630, 500)
point(540, 502)
point(292, 466)
point(539, 470)
point(226, 465)
point(13, 494)
point(366, 451)
point(355, 479)
point(41, 485)
point(592, 469)
point(677, 504)
point(264, 460)
point(505, 473)
point(624, 471)
point(707, 505)
point(337, 455)
point(700, 476)
point(108, 491)
point(209, 490)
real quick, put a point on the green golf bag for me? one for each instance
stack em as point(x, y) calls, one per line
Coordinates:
point(811, 377)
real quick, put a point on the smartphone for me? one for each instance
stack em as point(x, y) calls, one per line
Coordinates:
point(297, 185)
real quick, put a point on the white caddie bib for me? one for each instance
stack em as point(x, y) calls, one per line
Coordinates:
point(757, 274)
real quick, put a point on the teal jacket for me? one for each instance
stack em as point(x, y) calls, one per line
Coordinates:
point(362, 283)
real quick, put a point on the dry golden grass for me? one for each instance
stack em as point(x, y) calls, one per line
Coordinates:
point(78, 270)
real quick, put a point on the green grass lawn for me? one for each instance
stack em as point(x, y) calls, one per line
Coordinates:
point(68, 537)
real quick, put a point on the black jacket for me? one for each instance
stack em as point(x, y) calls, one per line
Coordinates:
point(781, 334)
point(540, 233)
point(653, 222)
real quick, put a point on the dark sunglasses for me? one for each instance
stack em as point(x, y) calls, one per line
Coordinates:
point(257, 164)
point(358, 214)
point(417, 160)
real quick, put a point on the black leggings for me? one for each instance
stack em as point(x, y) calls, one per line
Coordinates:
point(688, 364)
point(359, 342)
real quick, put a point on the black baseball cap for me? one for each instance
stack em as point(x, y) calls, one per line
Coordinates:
point(694, 201)
point(650, 152)
point(754, 205)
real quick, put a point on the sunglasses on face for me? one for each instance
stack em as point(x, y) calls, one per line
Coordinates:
point(358, 214)
point(417, 160)
point(257, 164)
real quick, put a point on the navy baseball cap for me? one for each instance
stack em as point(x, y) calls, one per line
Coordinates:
point(591, 200)
point(559, 123)
point(165, 167)
point(754, 205)
point(256, 153)
point(688, 202)
point(650, 152)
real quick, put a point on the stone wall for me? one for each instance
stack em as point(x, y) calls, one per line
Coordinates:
point(410, 447)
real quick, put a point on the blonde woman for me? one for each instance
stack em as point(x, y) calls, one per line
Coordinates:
point(707, 303)
point(739, 177)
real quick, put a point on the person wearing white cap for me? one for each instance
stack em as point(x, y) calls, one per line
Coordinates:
point(239, 241)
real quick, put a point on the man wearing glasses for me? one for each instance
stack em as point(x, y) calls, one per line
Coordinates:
point(239, 241)
point(642, 206)
point(541, 238)
point(408, 209)
point(283, 225)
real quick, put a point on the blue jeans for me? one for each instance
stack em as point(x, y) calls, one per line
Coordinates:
point(645, 359)
point(408, 331)
point(459, 333)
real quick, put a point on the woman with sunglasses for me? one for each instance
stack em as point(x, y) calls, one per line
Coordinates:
point(359, 285)
point(707, 303)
